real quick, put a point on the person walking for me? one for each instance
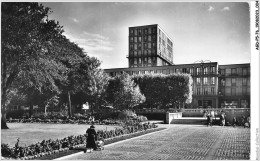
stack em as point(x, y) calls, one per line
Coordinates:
point(222, 118)
point(234, 121)
point(91, 138)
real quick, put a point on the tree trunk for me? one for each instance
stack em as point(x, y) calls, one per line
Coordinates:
point(3, 111)
point(31, 110)
point(69, 110)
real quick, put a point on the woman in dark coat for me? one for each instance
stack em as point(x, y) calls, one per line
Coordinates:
point(91, 137)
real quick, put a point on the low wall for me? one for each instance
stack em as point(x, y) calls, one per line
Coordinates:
point(171, 116)
point(230, 113)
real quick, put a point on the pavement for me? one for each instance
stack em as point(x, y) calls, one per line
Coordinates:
point(178, 142)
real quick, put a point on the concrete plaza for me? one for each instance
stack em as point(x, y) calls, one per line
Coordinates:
point(178, 142)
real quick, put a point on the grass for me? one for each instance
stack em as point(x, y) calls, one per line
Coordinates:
point(30, 133)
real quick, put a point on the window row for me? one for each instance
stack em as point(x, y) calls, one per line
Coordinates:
point(144, 60)
point(140, 53)
point(206, 80)
point(139, 46)
point(206, 91)
point(143, 31)
point(144, 38)
point(235, 71)
point(235, 82)
point(236, 91)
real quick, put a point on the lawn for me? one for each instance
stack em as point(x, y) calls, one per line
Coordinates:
point(30, 133)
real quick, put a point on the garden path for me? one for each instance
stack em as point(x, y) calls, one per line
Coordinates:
point(178, 142)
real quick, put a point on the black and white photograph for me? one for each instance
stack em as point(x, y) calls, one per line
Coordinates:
point(129, 80)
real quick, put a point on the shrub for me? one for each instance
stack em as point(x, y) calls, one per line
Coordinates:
point(126, 114)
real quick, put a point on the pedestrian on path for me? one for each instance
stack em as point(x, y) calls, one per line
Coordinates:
point(222, 118)
point(91, 138)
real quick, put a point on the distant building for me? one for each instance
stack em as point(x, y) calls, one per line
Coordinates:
point(214, 86)
point(149, 46)
point(234, 85)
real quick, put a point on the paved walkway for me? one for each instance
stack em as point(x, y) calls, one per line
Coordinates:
point(178, 142)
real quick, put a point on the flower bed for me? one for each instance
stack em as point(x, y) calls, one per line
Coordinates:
point(49, 147)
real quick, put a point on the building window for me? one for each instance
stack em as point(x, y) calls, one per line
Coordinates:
point(228, 71)
point(205, 91)
point(212, 90)
point(140, 61)
point(233, 71)
point(228, 81)
point(139, 32)
point(135, 60)
point(244, 81)
point(139, 46)
point(212, 80)
point(154, 37)
point(149, 60)
point(135, 46)
point(191, 71)
point(233, 82)
point(222, 71)
point(212, 70)
point(154, 30)
point(145, 38)
point(131, 31)
point(153, 51)
point(139, 39)
point(139, 53)
point(205, 70)
point(131, 53)
point(149, 30)
point(244, 89)
point(131, 46)
point(198, 80)
point(131, 39)
point(244, 71)
point(205, 80)
point(149, 52)
point(149, 38)
point(154, 45)
point(198, 70)
point(233, 91)
point(145, 52)
point(135, 39)
point(149, 45)
point(145, 45)
point(135, 31)
point(198, 91)
point(135, 53)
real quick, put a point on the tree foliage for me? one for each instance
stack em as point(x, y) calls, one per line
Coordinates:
point(37, 60)
point(165, 90)
point(123, 93)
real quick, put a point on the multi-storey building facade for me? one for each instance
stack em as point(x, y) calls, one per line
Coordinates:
point(149, 46)
point(234, 86)
point(205, 80)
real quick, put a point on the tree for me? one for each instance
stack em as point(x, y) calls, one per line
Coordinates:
point(165, 90)
point(123, 93)
point(97, 87)
point(29, 57)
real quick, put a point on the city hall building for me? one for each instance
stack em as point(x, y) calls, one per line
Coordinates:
point(214, 85)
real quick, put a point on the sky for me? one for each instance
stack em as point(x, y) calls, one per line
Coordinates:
point(215, 31)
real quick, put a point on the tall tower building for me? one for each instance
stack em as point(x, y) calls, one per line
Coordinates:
point(149, 46)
